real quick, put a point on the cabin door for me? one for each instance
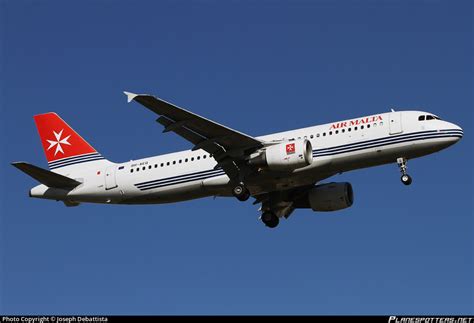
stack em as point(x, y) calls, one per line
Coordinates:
point(395, 123)
point(110, 180)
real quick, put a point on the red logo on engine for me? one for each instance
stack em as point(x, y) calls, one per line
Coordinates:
point(290, 149)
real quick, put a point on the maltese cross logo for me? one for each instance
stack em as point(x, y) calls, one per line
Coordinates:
point(58, 142)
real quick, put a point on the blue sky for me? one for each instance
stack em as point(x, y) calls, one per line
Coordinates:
point(259, 67)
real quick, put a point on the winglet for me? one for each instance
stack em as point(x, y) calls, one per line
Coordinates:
point(130, 96)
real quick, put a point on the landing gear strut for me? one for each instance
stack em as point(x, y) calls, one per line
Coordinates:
point(402, 164)
point(270, 219)
point(241, 192)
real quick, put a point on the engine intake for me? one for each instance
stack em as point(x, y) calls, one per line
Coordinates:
point(285, 156)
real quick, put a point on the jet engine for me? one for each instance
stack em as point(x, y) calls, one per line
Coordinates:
point(286, 156)
point(331, 197)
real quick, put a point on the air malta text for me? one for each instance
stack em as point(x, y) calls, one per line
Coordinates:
point(355, 122)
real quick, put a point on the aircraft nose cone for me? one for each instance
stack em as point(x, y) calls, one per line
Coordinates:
point(456, 131)
point(459, 131)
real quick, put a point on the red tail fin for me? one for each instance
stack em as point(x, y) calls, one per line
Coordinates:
point(62, 145)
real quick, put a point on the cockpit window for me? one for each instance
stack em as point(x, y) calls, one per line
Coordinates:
point(428, 117)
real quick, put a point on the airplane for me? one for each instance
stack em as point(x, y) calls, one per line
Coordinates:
point(281, 171)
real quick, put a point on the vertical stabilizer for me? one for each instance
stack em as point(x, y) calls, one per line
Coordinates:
point(61, 144)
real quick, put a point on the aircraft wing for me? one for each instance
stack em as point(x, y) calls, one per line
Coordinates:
point(226, 145)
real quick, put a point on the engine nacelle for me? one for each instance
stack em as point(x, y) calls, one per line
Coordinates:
point(331, 197)
point(285, 156)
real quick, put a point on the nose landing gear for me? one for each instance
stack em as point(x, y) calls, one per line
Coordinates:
point(402, 164)
point(406, 179)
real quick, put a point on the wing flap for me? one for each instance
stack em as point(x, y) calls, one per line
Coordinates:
point(46, 177)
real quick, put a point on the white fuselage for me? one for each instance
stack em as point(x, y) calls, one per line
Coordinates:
point(337, 147)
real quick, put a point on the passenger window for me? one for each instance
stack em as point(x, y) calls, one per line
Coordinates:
point(138, 169)
point(174, 162)
point(421, 118)
point(361, 127)
point(311, 137)
point(186, 160)
point(149, 167)
point(355, 128)
point(180, 161)
point(343, 130)
point(168, 163)
point(198, 157)
point(156, 165)
point(317, 135)
point(131, 170)
point(324, 134)
point(161, 165)
point(368, 126)
point(337, 131)
point(375, 125)
point(192, 158)
point(330, 133)
point(204, 156)
point(143, 167)
point(349, 129)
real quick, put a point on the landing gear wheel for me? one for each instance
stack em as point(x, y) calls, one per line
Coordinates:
point(241, 192)
point(270, 219)
point(402, 164)
point(406, 179)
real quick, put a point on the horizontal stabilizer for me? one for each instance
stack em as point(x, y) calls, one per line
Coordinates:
point(46, 177)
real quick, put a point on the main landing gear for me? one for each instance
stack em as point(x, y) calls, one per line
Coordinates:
point(241, 192)
point(402, 164)
point(270, 219)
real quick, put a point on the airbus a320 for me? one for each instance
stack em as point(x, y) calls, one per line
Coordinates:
point(281, 171)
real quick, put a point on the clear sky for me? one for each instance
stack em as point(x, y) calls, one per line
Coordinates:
point(259, 67)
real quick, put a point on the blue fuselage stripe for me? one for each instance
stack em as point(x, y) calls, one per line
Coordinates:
point(181, 179)
point(66, 160)
point(180, 176)
point(361, 143)
point(189, 176)
point(384, 143)
point(74, 162)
